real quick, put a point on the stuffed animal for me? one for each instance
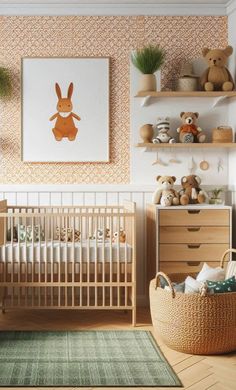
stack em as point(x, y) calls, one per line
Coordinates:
point(67, 235)
point(163, 127)
point(217, 77)
point(191, 192)
point(165, 195)
point(121, 234)
point(189, 131)
point(99, 233)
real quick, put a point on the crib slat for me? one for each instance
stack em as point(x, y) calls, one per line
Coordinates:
point(96, 259)
point(73, 261)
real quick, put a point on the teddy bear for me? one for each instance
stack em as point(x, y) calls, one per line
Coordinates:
point(189, 132)
point(191, 192)
point(122, 236)
point(217, 77)
point(163, 127)
point(99, 234)
point(165, 195)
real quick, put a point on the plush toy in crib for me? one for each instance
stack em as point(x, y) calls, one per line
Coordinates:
point(163, 127)
point(189, 132)
point(100, 233)
point(191, 192)
point(67, 235)
point(165, 194)
point(121, 235)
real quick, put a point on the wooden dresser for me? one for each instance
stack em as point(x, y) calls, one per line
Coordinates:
point(181, 238)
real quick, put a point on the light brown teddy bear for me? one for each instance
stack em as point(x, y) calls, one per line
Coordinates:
point(217, 77)
point(191, 192)
point(165, 195)
point(189, 132)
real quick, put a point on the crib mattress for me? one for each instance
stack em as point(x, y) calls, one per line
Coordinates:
point(56, 251)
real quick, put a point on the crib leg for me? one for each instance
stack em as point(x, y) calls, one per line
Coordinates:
point(3, 302)
point(134, 316)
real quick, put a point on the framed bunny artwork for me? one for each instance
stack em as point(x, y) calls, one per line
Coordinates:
point(65, 109)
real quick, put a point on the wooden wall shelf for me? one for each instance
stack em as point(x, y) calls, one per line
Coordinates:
point(218, 96)
point(163, 94)
point(187, 145)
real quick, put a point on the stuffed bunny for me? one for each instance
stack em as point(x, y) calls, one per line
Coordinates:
point(64, 127)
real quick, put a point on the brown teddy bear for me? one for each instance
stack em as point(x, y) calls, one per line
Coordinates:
point(189, 132)
point(191, 192)
point(217, 77)
point(165, 195)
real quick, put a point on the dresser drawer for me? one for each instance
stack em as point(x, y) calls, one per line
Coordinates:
point(193, 234)
point(179, 270)
point(194, 217)
point(192, 252)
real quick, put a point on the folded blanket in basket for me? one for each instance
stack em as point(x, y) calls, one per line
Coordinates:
point(228, 285)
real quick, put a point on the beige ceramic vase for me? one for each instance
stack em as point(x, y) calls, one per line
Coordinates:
point(147, 82)
point(146, 133)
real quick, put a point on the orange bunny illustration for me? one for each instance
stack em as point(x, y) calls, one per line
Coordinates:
point(64, 126)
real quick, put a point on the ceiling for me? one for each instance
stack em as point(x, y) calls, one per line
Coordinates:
point(116, 7)
point(123, 2)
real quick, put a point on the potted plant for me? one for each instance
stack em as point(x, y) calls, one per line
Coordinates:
point(5, 83)
point(215, 196)
point(148, 60)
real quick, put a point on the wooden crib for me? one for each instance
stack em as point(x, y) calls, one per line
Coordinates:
point(76, 257)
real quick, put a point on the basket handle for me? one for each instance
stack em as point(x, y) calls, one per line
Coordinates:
point(167, 280)
point(231, 250)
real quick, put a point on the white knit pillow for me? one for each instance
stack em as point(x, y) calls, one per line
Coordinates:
point(231, 269)
point(213, 274)
point(191, 285)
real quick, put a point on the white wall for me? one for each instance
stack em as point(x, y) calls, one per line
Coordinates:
point(232, 114)
point(232, 107)
point(142, 170)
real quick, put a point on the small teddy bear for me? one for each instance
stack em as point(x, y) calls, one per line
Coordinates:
point(121, 234)
point(191, 192)
point(163, 127)
point(189, 132)
point(99, 234)
point(217, 77)
point(165, 195)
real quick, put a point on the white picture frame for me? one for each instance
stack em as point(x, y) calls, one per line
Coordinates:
point(60, 95)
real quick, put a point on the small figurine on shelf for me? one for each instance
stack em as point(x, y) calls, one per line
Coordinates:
point(163, 127)
point(189, 132)
point(146, 133)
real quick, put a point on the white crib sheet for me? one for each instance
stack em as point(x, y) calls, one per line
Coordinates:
point(57, 251)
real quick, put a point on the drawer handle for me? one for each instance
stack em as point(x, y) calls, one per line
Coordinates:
point(193, 263)
point(194, 246)
point(194, 211)
point(193, 229)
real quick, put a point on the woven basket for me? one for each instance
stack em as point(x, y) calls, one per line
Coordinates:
point(192, 323)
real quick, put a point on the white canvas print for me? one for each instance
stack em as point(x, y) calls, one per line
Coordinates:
point(65, 109)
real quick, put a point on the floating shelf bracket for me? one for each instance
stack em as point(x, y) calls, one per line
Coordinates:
point(218, 100)
point(145, 101)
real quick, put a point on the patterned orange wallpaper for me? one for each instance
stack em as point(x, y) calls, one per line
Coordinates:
point(93, 36)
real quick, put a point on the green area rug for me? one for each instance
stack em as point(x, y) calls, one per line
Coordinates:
point(83, 358)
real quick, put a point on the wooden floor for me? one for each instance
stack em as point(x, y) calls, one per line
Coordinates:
point(195, 372)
